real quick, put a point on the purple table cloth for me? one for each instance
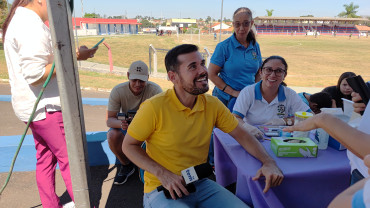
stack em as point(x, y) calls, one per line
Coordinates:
point(308, 182)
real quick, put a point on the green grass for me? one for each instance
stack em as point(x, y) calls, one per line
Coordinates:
point(313, 62)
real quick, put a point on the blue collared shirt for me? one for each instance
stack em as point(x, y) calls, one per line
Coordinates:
point(239, 64)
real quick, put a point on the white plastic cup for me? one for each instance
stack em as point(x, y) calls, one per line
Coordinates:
point(299, 117)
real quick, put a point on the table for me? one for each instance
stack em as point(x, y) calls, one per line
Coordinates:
point(308, 182)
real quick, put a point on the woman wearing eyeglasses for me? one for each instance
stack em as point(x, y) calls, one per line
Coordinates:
point(268, 101)
point(236, 60)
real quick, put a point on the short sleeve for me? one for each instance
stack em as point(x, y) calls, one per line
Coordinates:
point(157, 89)
point(358, 199)
point(144, 122)
point(114, 103)
point(225, 120)
point(296, 103)
point(259, 55)
point(242, 103)
point(218, 56)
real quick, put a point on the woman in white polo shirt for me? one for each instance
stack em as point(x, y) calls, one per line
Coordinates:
point(268, 101)
point(29, 56)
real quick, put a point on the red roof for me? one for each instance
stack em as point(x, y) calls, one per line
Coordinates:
point(80, 20)
point(362, 27)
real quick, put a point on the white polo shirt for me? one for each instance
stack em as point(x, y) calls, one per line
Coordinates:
point(28, 49)
point(255, 110)
point(356, 162)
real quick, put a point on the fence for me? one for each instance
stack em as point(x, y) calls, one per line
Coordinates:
point(153, 57)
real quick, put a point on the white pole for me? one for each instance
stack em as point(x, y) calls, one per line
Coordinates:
point(199, 37)
point(70, 97)
point(222, 8)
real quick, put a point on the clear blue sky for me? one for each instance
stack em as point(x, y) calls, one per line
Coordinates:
point(204, 8)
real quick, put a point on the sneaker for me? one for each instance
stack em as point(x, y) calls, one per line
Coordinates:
point(69, 205)
point(124, 172)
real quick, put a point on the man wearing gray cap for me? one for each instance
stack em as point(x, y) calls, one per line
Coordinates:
point(127, 97)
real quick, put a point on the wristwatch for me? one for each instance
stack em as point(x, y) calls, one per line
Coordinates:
point(289, 122)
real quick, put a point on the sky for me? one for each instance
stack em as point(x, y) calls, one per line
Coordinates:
point(203, 8)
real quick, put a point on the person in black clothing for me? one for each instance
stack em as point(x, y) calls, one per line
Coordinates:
point(342, 90)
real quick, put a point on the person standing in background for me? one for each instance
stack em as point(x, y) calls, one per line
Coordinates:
point(235, 60)
point(29, 57)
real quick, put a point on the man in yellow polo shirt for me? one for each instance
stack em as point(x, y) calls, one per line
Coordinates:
point(177, 126)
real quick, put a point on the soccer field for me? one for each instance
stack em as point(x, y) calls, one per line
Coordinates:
point(313, 62)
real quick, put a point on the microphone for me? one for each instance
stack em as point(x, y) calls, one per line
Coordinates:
point(191, 175)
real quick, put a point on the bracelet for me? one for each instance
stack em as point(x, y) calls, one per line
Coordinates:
point(223, 90)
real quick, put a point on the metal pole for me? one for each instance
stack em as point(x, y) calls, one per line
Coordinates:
point(70, 97)
point(222, 9)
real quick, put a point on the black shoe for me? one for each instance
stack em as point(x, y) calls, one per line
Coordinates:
point(124, 172)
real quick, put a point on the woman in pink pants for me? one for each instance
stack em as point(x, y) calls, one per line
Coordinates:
point(29, 56)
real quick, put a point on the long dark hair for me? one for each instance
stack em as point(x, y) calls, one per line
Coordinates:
point(345, 75)
point(16, 4)
point(251, 37)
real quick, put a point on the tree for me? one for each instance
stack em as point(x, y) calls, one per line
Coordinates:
point(146, 23)
point(209, 19)
point(269, 12)
point(350, 11)
point(92, 15)
point(3, 12)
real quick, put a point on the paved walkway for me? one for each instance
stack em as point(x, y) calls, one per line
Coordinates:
point(104, 68)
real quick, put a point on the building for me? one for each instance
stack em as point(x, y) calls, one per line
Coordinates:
point(181, 23)
point(364, 30)
point(102, 26)
point(308, 25)
point(224, 27)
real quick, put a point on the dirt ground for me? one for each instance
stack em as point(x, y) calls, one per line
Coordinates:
point(22, 190)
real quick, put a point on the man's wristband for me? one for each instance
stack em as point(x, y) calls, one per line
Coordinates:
point(223, 90)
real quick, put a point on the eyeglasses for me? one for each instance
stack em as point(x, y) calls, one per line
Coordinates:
point(278, 72)
point(244, 24)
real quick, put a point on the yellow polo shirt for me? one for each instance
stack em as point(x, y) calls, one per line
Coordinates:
point(178, 137)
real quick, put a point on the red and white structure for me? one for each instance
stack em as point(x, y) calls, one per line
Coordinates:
point(106, 26)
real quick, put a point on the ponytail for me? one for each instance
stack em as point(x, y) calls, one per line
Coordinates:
point(16, 4)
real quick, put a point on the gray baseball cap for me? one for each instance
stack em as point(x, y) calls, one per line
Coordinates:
point(139, 70)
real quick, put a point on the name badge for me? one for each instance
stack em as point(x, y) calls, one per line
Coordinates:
point(189, 175)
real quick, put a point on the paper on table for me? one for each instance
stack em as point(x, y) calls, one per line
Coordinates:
point(355, 118)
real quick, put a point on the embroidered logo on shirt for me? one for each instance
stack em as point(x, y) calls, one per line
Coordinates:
point(281, 110)
point(254, 54)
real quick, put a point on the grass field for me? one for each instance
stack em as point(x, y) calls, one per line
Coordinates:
point(313, 62)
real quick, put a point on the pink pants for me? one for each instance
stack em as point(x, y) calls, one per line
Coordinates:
point(51, 149)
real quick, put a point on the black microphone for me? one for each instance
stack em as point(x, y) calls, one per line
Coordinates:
point(191, 175)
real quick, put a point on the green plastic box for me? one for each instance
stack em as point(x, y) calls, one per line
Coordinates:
point(293, 147)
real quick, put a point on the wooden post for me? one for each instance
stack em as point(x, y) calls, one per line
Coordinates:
point(155, 70)
point(70, 97)
point(110, 57)
point(208, 56)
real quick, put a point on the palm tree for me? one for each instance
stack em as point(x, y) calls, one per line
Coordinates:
point(350, 11)
point(269, 12)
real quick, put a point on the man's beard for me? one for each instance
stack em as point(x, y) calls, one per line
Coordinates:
point(193, 89)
